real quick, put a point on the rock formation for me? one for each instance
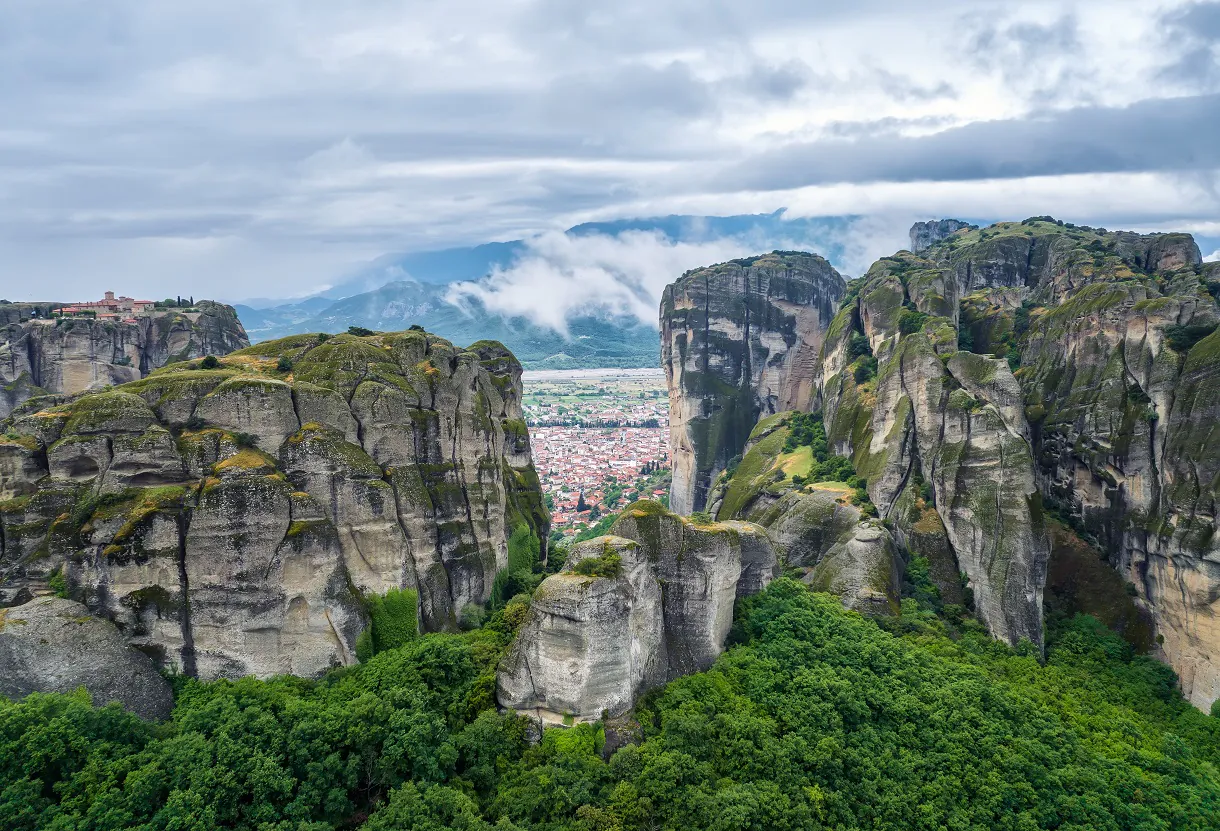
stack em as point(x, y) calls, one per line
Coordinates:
point(230, 520)
point(739, 340)
point(55, 645)
point(1005, 369)
point(642, 606)
point(926, 234)
point(39, 355)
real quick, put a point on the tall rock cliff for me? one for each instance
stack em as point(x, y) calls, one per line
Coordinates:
point(1018, 368)
point(230, 520)
point(739, 340)
point(1114, 336)
point(648, 603)
point(71, 355)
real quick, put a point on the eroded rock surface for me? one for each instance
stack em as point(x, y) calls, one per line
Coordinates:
point(926, 234)
point(739, 340)
point(230, 520)
point(1000, 369)
point(814, 527)
point(652, 601)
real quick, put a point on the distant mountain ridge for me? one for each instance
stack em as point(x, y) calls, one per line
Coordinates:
point(400, 290)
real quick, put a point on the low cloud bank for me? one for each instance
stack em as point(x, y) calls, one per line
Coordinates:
point(560, 276)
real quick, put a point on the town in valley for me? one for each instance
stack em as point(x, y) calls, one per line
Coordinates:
point(600, 440)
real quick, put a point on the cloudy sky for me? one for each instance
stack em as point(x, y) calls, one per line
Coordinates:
point(266, 147)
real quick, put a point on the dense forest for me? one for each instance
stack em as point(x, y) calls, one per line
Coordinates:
point(816, 717)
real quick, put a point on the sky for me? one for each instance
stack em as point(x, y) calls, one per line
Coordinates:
point(238, 148)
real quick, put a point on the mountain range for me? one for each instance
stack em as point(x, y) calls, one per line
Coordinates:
point(397, 291)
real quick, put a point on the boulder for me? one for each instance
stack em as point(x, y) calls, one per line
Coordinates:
point(51, 645)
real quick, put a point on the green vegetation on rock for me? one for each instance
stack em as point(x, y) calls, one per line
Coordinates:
point(816, 718)
point(393, 621)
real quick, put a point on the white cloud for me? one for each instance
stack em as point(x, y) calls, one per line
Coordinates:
point(1212, 257)
point(560, 275)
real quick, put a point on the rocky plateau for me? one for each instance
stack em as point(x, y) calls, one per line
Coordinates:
point(40, 355)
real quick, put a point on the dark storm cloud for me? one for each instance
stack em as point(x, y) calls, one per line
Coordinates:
point(1197, 27)
point(1157, 135)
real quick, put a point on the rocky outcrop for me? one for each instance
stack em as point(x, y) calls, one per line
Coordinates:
point(817, 528)
point(926, 234)
point(652, 601)
point(863, 570)
point(50, 645)
point(1117, 417)
point(739, 340)
point(1120, 372)
point(39, 355)
point(1018, 365)
point(229, 521)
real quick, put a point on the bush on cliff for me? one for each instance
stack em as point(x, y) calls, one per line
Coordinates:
point(393, 621)
point(523, 572)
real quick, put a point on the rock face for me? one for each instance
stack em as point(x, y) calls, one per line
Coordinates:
point(953, 419)
point(72, 355)
point(652, 601)
point(816, 528)
point(926, 234)
point(54, 645)
point(1023, 364)
point(739, 340)
point(230, 520)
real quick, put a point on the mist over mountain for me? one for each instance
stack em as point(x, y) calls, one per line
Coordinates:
point(584, 297)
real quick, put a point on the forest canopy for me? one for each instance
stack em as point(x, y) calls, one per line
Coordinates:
point(815, 718)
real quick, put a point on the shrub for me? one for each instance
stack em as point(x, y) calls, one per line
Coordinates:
point(360, 331)
point(58, 583)
point(471, 617)
point(283, 364)
point(522, 575)
point(607, 565)
point(858, 346)
point(245, 440)
point(209, 362)
point(911, 321)
point(866, 370)
point(393, 621)
point(1182, 338)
